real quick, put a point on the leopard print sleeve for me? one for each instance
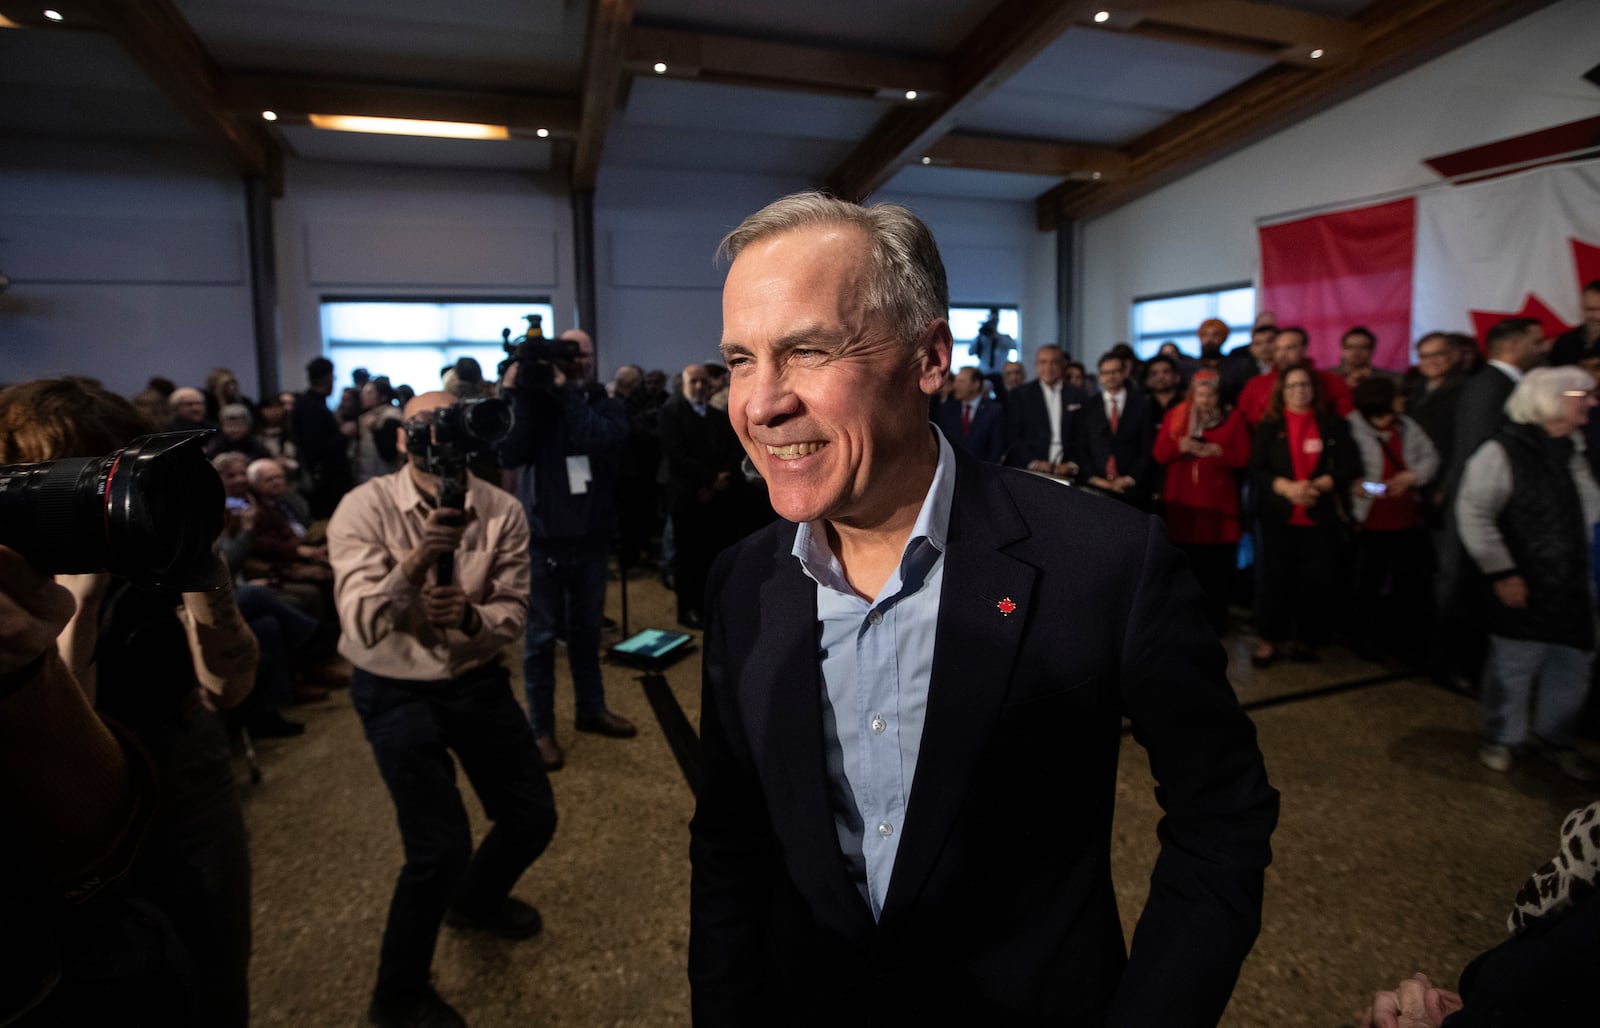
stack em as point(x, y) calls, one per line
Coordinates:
point(1568, 877)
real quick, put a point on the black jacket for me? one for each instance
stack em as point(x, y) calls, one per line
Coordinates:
point(1270, 459)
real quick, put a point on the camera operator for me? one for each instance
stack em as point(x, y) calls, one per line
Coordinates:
point(562, 462)
point(429, 681)
point(147, 657)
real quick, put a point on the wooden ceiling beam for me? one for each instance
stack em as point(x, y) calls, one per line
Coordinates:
point(1396, 37)
point(249, 95)
point(1027, 157)
point(1011, 36)
point(604, 53)
point(167, 50)
point(760, 63)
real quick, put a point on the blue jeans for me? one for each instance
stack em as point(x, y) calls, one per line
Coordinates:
point(1552, 679)
point(567, 597)
point(413, 727)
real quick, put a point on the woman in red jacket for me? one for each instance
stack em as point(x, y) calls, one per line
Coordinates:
point(1204, 449)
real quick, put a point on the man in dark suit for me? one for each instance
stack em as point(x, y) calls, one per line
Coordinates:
point(1042, 417)
point(1116, 437)
point(704, 486)
point(914, 687)
point(973, 422)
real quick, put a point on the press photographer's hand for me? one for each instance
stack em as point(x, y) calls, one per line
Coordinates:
point(444, 606)
point(33, 611)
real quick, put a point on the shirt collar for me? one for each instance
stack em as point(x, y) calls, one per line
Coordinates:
point(932, 526)
point(1512, 371)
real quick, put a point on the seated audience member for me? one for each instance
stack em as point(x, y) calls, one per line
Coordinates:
point(222, 389)
point(1115, 436)
point(971, 420)
point(1204, 449)
point(187, 408)
point(1289, 347)
point(1526, 511)
point(235, 436)
point(378, 444)
point(154, 660)
point(1302, 463)
point(1392, 549)
point(283, 532)
point(1355, 357)
point(1543, 974)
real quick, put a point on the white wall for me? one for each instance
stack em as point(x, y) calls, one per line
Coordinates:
point(1200, 231)
point(125, 261)
point(351, 229)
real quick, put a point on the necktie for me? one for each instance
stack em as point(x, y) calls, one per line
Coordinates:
point(966, 419)
point(1111, 461)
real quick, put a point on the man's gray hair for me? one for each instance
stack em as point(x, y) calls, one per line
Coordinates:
point(1537, 398)
point(229, 457)
point(235, 410)
point(258, 469)
point(906, 282)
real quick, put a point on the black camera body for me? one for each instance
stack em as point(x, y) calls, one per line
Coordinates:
point(535, 356)
point(444, 439)
point(148, 512)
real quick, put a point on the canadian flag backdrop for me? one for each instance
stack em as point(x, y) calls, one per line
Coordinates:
point(1454, 259)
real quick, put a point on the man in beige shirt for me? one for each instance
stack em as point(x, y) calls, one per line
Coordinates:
point(429, 681)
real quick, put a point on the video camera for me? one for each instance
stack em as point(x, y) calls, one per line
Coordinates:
point(535, 355)
point(445, 438)
point(148, 512)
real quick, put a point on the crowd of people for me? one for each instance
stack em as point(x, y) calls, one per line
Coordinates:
point(1407, 512)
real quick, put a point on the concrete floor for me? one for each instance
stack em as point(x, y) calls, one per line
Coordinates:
point(1396, 852)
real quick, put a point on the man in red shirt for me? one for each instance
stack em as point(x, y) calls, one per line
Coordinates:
point(1288, 349)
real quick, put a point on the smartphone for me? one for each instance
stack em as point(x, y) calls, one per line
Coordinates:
point(237, 503)
point(1374, 488)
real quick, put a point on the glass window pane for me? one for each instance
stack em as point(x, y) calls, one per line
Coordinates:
point(1238, 308)
point(1176, 314)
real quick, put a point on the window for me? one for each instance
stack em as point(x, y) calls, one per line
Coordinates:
point(964, 325)
point(410, 340)
point(1174, 318)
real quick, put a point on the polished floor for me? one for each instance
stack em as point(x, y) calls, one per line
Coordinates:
point(1396, 852)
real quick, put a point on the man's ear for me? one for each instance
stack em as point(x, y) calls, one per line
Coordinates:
point(400, 442)
point(933, 356)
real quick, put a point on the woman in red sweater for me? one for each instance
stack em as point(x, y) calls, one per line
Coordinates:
point(1203, 448)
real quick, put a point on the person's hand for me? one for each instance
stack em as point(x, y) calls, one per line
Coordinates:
point(439, 536)
point(1414, 1003)
point(444, 606)
point(1400, 484)
point(1122, 483)
point(33, 611)
point(1323, 483)
point(1512, 592)
point(1041, 465)
point(1099, 483)
point(1301, 493)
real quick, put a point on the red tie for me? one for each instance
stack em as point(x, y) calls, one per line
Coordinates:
point(966, 419)
point(1111, 462)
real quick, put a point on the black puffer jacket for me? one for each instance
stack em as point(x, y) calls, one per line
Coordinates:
point(1543, 527)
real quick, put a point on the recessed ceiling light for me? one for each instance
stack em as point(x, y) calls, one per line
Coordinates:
point(408, 127)
point(911, 94)
point(660, 69)
point(927, 160)
point(1101, 17)
point(542, 133)
point(269, 115)
point(1317, 53)
point(1095, 176)
point(54, 16)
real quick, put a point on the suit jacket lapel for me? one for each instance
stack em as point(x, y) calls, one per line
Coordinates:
point(984, 606)
point(782, 688)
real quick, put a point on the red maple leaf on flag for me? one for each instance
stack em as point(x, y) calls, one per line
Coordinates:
point(1585, 262)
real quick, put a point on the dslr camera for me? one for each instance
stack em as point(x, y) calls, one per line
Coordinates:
point(444, 439)
point(148, 512)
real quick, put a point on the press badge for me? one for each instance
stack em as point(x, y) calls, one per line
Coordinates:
point(1311, 445)
point(578, 474)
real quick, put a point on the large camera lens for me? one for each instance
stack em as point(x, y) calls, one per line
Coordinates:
point(148, 512)
point(488, 419)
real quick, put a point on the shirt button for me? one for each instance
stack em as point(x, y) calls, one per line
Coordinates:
point(876, 617)
point(879, 724)
point(885, 829)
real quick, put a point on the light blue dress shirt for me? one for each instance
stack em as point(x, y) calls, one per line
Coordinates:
point(877, 659)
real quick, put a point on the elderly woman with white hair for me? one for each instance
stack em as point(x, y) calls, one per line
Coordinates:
point(1526, 510)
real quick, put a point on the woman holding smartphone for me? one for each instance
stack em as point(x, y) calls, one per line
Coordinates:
point(1392, 548)
point(1303, 463)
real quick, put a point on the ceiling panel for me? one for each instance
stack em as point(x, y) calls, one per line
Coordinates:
point(69, 84)
point(1127, 69)
point(677, 103)
point(488, 44)
point(984, 185)
point(705, 150)
point(320, 145)
point(922, 28)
